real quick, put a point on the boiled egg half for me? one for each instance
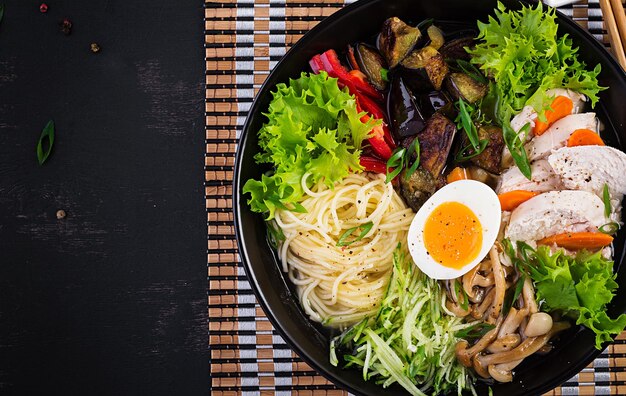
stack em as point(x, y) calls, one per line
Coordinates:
point(455, 229)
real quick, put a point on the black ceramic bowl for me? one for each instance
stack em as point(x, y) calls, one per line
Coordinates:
point(356, 22)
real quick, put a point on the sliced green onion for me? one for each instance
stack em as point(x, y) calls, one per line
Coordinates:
point(518, 290)
point(472, 71)
point(365, 228)
point(606, 197)
point(461, 156)
point(508, 247)
point(476, 331)
point(609, 228)
point(519, 287)
point(459, 291)
point(395, 162)
point(46, 134)
point(515, 144)
point(274, 234)
point(384, 74)
point(333, 354)
point(413, 148)
point(523, 248)
point(467, 123)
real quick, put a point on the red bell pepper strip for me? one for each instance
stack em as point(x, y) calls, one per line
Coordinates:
point(388, 137)
point(370, 106)
point(372, 164)
point(380, 137)
point(378, 142)
point(354, 82)
point(316, 64)
point(375, 165)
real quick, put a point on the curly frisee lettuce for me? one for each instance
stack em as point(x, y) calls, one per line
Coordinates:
point(313, 129)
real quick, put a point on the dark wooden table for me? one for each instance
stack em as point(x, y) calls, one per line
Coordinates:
point(111, 299)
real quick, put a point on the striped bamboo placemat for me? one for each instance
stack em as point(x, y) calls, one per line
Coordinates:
point(244, 40)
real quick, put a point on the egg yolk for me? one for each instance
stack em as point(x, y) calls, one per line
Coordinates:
point(453, 235)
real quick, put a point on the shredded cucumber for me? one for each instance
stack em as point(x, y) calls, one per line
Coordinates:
point(411, 339)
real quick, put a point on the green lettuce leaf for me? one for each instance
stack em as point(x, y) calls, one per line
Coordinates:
point(313, 127)
point(579, 286)
point(526, 57)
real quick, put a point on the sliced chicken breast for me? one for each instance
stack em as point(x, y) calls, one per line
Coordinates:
point(588, 168)
point(527, 115)
point(556, 136)
point(556, 212)
point(543, 178)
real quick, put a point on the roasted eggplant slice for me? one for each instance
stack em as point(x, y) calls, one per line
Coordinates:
point(449, 111)
point(406, 117)
point(417, 81)
point(396, 40)
point(431, 60)
point(435, 143)
point(437, 70)
point(463, 86)
point(431, 102)
point(371, 62)
point(418, 188)
point(418, 58)
point(491, 158)
point(436, 37)
point(455, 49)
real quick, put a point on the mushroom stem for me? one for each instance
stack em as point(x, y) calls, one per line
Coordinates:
point(457, 310)
point(484, 281)
point(468, 281)
point(512, 321)
point(500, 375)
point(502, 372)
point(510, 365)
point(500, 287)
point(479, 311)
point(465, 354)
point(505, 343)
point(479, 295)
point(529, 296)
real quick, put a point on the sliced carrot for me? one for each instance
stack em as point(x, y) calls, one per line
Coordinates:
point(578, 240)
point(512, 199)
point(457, 173)
point(584, 137)
point(560, 107)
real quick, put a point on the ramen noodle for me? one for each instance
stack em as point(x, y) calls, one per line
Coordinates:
point(339, 285)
